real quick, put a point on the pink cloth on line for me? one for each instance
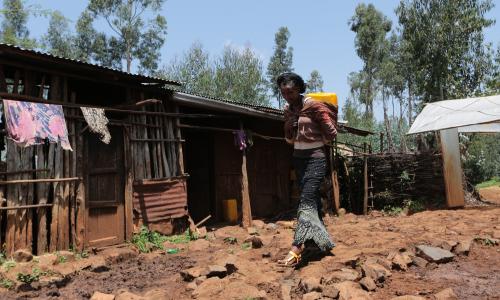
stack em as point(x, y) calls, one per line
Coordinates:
point(31, 123)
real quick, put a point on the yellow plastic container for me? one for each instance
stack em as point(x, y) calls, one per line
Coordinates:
point(330, 98)
point(230, 209)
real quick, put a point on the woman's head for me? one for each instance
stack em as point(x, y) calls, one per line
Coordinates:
point(291, 87)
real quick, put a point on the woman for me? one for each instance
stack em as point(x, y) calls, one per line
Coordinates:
point(308, 124)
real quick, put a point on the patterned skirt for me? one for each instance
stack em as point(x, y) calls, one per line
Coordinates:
point(310, 173)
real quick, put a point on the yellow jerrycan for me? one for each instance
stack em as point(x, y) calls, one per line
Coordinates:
point(329, 98)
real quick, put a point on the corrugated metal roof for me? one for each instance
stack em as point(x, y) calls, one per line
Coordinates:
point(76, 62)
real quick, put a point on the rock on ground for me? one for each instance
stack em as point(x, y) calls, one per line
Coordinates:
point(434, 254)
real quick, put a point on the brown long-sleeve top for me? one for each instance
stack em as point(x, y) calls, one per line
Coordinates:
point(309, 126)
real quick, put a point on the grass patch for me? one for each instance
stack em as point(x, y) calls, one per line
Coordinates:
point(9, 265)
point(147, 241)
point(30, 277)
point(246, 246)
point(495, 181)
point(6, 283)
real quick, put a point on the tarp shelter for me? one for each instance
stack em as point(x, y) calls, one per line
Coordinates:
point(481, 114)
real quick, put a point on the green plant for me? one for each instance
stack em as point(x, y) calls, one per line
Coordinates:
point(81, 255)
point(181, 238)
point(246, 246)
point(231, 240)
point(9, 265)
point(6, 283)
point(495, 181)
point(3, 257)
point(414, 205)
point(486, 241)
point(61, 258)
point(30, 277)
point(392, 210)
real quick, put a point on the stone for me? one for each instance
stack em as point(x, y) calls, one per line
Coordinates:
point(341, 212)
point(102, 296)
point(408, 297)
point(255, 241)
point(311, 296)
point(202, 232)
point(117, 255)
point(310, 284)
point(401, 261)
point(351, 290)
point(199, 245)
point(191, 286)
point(330, 291)
point(285, 291)
point(368, 284)
point(463, 247)
point(129, 296)
point(65, 256)
point(420, 262)
point(434, 254)
point(376, 271)
point(98, 264)
point(286, 224)
point(199, 280)
point(192, 273)
point(271, 226)
point(258, 224)
point(157, 294)
point(341, 275)
point(22, 255)
point(215, 270)
point(446, 294)
point(46, 261)
point(252, 231)
point(53, 293)
point(266, 254)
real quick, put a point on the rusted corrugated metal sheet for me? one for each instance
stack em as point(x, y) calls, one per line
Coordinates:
point(156, 200)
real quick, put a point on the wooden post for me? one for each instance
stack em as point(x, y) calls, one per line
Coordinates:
point(129, 217)
point(365, 182)
point(335, 181)
point(381, 142)
point(452, 168)
point(245, 201)
point(81, 207)
point(179, 145)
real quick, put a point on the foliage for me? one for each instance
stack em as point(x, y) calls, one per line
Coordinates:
point(371, 27)
point(147, 241)
point(236, 74)
point(239, 76)
point(59, 40)
point(445, 41)
point(280, 62)
point(481, 158)
point(315, 82)
point(6, 283)
point(134, 37)
point(14, 28)
point(230, 240)
point(246, 246)
point(9, 265)
point(30, 277)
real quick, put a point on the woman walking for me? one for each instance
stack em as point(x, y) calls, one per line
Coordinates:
point(308, 125)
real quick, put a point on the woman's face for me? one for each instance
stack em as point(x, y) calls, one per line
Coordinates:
point(290, 93)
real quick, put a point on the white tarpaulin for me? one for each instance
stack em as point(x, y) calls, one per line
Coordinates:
point(482, 111)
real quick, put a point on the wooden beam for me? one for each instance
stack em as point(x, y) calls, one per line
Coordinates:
point(245, 193)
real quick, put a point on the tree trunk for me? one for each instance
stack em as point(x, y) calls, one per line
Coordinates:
point(402, 135)
point(387, 124)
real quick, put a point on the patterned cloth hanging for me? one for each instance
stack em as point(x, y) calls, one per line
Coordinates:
point(31, 123)
point(97, 121)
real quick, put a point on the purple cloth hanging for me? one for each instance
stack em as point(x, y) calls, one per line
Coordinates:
point(31, 123)
point(240, 139)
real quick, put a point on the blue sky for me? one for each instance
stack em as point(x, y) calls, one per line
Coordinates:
point(319, 31)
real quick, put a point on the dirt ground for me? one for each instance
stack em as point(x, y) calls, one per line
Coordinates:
point(254, 274)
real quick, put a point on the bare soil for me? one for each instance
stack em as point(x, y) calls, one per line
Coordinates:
point(491, 194)
point(358, 238)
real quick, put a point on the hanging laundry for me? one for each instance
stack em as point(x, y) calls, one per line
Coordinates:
point(240, 139)
point(31, 123)
point(97, 121)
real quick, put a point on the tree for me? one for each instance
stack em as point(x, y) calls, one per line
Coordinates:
point(58, 40)
point(493, 82)
point(280, 62)
point(138, 38)
point(445, 42)
point(193, 69)
point(315, 82)
point(239, 76)
point(14, 30)
point(371, 27)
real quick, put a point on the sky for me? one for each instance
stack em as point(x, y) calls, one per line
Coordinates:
point(319, 31)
